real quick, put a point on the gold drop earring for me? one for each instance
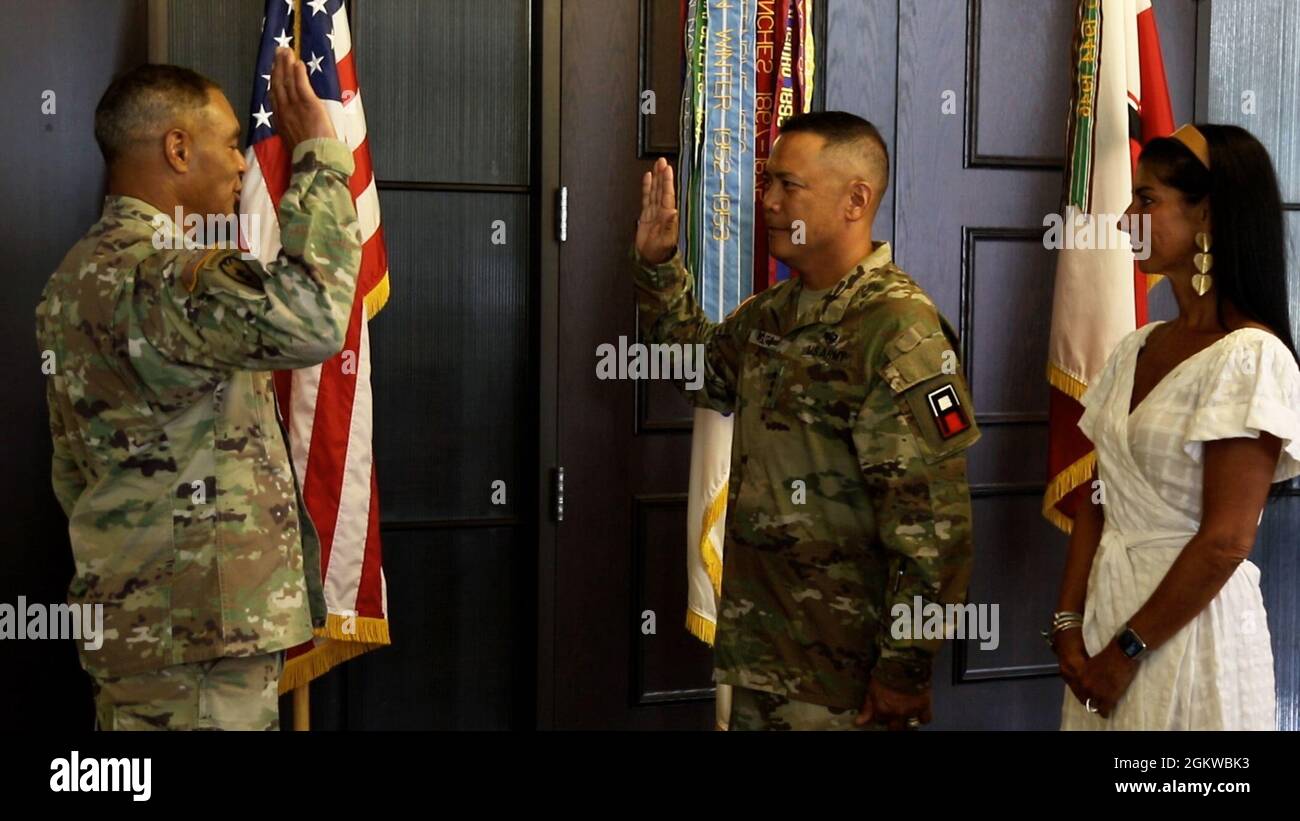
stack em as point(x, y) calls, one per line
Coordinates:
point(1203, 261)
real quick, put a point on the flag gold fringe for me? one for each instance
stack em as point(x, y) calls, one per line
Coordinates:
point(700, 627)
point(1061, 485)
point(369, 634)
point(712, 561)
point(377, 297)
point(1077, 473)
point(697, 625)
point(1066, 383)
point(810, 61)
point(362, 629)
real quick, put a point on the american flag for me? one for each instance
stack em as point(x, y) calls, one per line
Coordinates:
point(328, 407)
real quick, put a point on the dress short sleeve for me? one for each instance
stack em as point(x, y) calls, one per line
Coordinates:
point(1251, 385)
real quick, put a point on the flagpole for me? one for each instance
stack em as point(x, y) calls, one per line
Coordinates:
point(302, 708)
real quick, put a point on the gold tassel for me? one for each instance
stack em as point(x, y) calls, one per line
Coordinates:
point(1066, 383)
point(1061, 486)
point(700, 627)
point(318, 661)
point(712, 561)
point(377, 297)
point(362, 634)
point(354, 628)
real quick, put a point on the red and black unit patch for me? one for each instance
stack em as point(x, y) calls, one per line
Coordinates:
point(946, 409)
point(924, 375)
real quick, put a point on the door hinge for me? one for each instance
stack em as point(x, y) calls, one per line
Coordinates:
point(562, 214)
point(557, 494)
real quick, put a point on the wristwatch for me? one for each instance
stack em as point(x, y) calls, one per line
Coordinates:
point(1130, 643)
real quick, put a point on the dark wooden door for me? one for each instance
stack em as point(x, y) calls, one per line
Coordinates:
point(54, 185)
point(620, 549)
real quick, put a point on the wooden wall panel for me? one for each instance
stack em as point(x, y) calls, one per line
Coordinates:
point(1254, 58)
point(54, 187)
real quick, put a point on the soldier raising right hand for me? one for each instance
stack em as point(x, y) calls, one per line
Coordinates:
point(844, 382)
point(185, 517)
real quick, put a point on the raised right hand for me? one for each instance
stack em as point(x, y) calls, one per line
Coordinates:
point(299, 113)
point(656, 228)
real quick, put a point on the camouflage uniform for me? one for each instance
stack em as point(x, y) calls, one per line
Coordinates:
point(185, 517)
point(859, 398)
point(222, 694)
point(757, 710)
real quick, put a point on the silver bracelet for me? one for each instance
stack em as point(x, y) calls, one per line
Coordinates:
point(1061, 620)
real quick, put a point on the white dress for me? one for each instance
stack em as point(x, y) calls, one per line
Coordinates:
point(1217, 671)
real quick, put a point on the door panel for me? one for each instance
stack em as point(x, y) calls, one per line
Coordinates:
point(620, 550)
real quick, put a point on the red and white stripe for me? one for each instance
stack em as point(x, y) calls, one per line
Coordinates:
point(329, 411)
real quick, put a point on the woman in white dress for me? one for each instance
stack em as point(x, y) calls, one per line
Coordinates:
point(1160, 621)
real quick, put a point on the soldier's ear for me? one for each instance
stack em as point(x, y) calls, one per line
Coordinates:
point(860, 196)
point(177, 149)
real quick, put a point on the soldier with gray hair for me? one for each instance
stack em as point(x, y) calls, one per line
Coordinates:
point(185, 517)
point(844, 383)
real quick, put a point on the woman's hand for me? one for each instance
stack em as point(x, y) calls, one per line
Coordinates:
point(1105, 678)
point(1071, 655)
point(1070, 651)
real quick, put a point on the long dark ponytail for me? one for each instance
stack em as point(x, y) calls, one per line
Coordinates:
point(1249, 237)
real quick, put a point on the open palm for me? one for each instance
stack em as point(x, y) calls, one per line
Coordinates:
point(656, 228)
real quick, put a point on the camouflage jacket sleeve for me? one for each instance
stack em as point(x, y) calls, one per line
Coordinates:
point(66, 476)
point(214, 309)
point(911, 435)
point(668, 313)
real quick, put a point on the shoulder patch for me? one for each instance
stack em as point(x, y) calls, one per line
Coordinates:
point(190, 273)
point(947, 411)
point(219, 267)
point(925, 377)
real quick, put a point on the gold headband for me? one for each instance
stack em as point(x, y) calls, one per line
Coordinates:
point(1191, 137)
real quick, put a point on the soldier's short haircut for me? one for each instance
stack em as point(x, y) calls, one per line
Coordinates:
point(840, 128)
point(143, 100)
